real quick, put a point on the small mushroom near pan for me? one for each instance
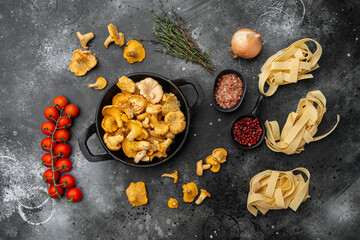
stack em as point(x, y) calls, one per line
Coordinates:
point(174, 175)
point(200, 167)
point(137, 194)
point(84, 39)
point(219, 155)
point(215, 166)
point(134, 52)
point(82, 62)
point(115, 36)
point(113, 140)
point(173, 203)
point(190, 191)
point(99, 84)
point(203, 194)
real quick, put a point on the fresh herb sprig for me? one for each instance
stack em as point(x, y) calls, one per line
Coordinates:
point(175, 37)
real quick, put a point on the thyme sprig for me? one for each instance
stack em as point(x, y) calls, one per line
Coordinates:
point(175, 37)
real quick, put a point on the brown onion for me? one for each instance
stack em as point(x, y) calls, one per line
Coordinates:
point(245, 43)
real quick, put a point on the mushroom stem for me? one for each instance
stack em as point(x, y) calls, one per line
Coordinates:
point(203, 194)
point(206, 166)
point(130, 54)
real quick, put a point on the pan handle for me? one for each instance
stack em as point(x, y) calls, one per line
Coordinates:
point(198, 89)
point(85, 148)
point(259, 104)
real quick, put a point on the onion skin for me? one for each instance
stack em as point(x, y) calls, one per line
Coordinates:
point(245, 43)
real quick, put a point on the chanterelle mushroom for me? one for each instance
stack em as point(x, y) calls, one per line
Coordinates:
point(171, 104)
point(100, 84)
point(139, 156)
point(115, 36)
point(151, 90)
point(113, 140)
point(134, 52)
point(121, 99)
point(137, 104)
point(82, 62)
point(190, 191)
point(159, 127)
point(137, 194)
point(200, 167)
point(174, 175)
point(153, 108)
point(115, 111)
point(84, 39)
point(176, 121)
point(131, 148)
point(215, 166)
point(219, 155)
point(135, 130)
point(173, 203)
point(126, 84)
point(203, 194)
point(109, 124)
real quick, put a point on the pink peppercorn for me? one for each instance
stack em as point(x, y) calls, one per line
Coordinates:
point(247, 131)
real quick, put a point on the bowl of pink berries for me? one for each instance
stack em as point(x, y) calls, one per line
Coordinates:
point(248, 131)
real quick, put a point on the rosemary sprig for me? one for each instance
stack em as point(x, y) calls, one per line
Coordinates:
point(175, 37)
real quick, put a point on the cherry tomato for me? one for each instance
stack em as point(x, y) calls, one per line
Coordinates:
point(48, 176)
point(52, 191)
point(51, 113)
point(46, 160)
point(48, 128)
point(46, 144)
point(67, 180)
point(60, 101)
point(64, 165)
point(62, 148)
point(72, 109)
point(62, 135)
point(74, 194)
point(64, 121)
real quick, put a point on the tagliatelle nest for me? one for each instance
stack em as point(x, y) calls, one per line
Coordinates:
point(143, 120)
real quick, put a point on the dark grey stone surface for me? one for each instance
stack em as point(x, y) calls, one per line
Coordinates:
point(37, 39)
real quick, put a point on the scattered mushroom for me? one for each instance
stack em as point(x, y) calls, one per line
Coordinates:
point(126, 84)
point(115, 36)
point(100, 84)
point(174, 175)
point(200, 167)
point(134, 52)
point(173, 203)
point(190, 191)
point(136, 194)
point(84, 39)
point(219, 155)
point(151, 90)
point(82, 62)
point(215, 166)
point(176, 122)
point(113, 140)
point(203, 194)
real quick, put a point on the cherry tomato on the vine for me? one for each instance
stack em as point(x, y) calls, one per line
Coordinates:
point(63, 149)
point(46, 144)
point(64, 121)
point(51, 113)
point(62, 135)
point(48, 128)
point(52, 191)
point(67, 181)
point(74, 194)
point(63, 165)
point(60, 101)
point(46, 160)
point(72, 109)
point(48, 176)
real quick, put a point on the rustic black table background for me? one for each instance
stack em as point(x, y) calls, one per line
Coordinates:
point(37, 39)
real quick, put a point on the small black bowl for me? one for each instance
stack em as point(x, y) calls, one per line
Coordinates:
point(254, 115)
point(227, 71)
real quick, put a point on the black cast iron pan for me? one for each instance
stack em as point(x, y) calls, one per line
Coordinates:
point(168, 86)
